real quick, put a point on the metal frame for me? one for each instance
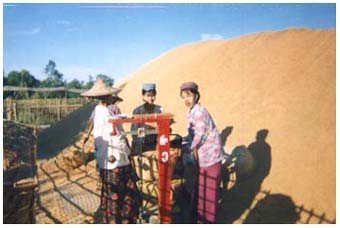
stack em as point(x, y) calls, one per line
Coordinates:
point(164, 182)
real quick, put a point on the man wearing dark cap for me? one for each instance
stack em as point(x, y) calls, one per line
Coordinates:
point(149, 142)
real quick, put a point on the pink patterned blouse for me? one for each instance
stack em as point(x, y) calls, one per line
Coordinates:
point(203, 135)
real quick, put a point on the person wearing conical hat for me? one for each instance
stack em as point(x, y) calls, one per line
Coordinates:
point(149, 142)
point(120, 198)
point(113, 108)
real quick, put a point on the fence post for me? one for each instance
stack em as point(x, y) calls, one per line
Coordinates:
point(59, 109)
point(15, 110)
point(37, 119)
point(8, 110)
point(66, 104)
point(34, 111)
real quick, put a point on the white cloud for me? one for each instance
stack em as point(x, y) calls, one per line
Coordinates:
point(207, 36)
point(67, 25)
point(64, 22)
point(30, 32)
point(71, 29)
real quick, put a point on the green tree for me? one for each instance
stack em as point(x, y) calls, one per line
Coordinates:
point(21, 79)
point(4, 80)
point(89, 83)
point(107, 80)
point(52, 72)
point(74, 84)
point(14, 78)
point(54, 79)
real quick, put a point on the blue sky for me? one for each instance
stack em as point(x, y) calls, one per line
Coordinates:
point(117, 39)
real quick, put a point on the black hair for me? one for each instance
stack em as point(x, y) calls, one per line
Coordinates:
point(193, 91)
point(152, 91)
point(102, 98)
point(105, 98)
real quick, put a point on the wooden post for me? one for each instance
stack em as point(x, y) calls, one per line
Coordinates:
point(15, 110)
point(37, 116)
point(9, 108)
point(59, 109)
point(65, 102)
point(30, 112)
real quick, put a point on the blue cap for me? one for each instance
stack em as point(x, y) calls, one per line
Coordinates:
point(149, 86)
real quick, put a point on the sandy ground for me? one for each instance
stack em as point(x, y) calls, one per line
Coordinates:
point(282, 82)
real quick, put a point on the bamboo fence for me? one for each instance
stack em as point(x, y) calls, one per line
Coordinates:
point(40, 111)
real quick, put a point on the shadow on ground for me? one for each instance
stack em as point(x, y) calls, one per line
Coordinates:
point(64, 133)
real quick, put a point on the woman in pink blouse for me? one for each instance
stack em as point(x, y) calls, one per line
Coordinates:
point(206, 146)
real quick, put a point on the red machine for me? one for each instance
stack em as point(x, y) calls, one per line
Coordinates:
point(163, 147)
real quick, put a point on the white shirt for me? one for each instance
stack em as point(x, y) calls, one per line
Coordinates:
point(107, 144)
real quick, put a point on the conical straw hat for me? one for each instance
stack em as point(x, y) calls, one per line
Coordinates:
point(99, 89)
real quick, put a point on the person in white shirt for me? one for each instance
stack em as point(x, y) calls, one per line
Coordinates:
point(120, 198)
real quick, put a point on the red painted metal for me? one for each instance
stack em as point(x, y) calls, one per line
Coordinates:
point(163, 147)
point(164, 166)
